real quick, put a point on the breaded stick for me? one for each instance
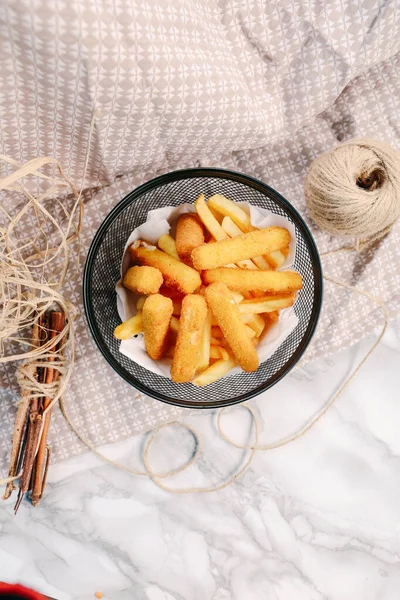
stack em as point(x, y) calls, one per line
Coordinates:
point(157, 312)
point(242, 247)
point(143, 280)
point(226, 313)
point(188, 341)
point(189, 235)
point(246, 280)
point(176, 274)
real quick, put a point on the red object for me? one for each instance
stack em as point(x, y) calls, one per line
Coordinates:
point(19, 592)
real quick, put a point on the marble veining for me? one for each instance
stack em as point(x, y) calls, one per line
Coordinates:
point(315, 520)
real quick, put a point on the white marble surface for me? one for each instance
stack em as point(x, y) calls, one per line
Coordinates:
point(318, 519)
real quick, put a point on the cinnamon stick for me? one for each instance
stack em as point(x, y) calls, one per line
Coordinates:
point(34, 427)
point(57, 323)
point(20, 422)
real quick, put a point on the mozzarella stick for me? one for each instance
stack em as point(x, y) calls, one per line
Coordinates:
point(143, 280)
point(175, 273)
point(189, 235)
point(227, 315)
point(156, 315)
point(246, 280)
point(188, 341)
point(242, 247)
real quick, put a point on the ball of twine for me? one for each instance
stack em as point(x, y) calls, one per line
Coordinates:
point(354, 189)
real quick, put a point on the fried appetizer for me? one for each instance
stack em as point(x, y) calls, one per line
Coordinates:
point(227, 315)
point(274, 282)
point(157, 312)
point(189, 235)
point(175, 273)
point(129, 328)
point(242, 247)
point(143, 280)
point(167, 243)
point(189, 339)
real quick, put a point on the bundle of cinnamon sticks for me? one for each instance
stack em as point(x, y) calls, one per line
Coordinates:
point(30, 452)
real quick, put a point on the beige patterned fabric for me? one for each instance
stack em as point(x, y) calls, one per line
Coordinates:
point(258, 87)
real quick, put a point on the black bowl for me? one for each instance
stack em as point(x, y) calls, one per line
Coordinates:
point(102, 271)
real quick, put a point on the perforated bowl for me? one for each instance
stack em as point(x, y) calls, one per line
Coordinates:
point(102, 272)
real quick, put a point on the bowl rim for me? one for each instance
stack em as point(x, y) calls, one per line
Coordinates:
point(217, 173)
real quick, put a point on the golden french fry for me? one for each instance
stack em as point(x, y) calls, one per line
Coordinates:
point(129, 328)
point(243, 247)
point(236, 296)
point(250, 332)
point(215, 341)
point(227, 314)
point(276, 282)
point(208, 219)
point(203, 359)
point(174, 324)
point(255, 322)
point(167, 243)
point(157, 312)
point(276, 259)
point(140, 302)
point(266, 304)
point(215, 352)
point(261, 263)
point(143, 280)
point(232, 210)
point(214, 372)
point(176, 274)
point(216, 214)
point(274, 316)
point(188, 341)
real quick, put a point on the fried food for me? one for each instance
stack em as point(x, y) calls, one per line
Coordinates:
point(276, 259)
point(226, 313)
point(143, 280)
point(255, 322)
point(174, 324)
point(189, 235)
point(274, 282)
point(140, 302)
point(266, 304)
point(218, 352)
point(203, 359)
point(175, 273)
point(167, 243)
point(129, 328)
point(232, 250)
point(208, 219)
point(188, 341)
point(232, 210)
point(214, 372)
point(157, 312)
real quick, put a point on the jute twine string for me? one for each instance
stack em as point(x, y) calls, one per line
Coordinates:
point(380, 226)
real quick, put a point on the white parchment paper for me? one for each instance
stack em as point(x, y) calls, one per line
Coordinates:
point(163, 220)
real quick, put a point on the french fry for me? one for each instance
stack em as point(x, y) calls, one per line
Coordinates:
point(274, 282)
point(276, 259)
point(174, 324)
point(140, 301)
point(255, 322)
point(243, 247)
point(216, 332)
point(129, 328)
point(261, 263)
point(203, 359)
point(217, 370)
point(216, 214)
point(266, 304)
point(250, 332)
point(274, 316)
point(236, 296)
point(246, 264)
point(167, 243)
point(215, 341)
point(208, 219)
point(232, 210)
point(218, 352)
